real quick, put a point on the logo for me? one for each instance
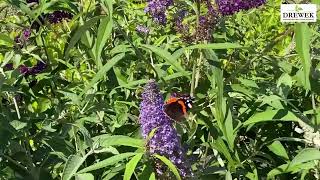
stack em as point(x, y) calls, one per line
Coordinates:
point(298, 12)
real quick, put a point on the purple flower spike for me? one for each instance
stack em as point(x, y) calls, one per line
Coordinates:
point(229, 7)
point(8, 67)
point(24, 69)
point(58, 16)
point(157, 9)
point(165, 140)
point(142, 29)
point(26, 34)
point(21, 40)
point(38, 68)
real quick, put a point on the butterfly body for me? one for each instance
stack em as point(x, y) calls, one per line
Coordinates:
point(177, 106)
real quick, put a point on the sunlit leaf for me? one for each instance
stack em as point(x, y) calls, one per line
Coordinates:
point(271, 115)
point(277, 148)
point(72, 165)
point(131, 165)
point(107, 162)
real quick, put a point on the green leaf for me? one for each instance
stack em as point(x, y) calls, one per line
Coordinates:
point(109, 7)
point(277, 148)
point(316, 2)
point(72, 165)
point(17, 124)
point(228, 176)
point(102, 72)
point(303, 38)
point(271, 115)
point(5, 40)
point(228, 124)
point(112, 172)
point(248, 83)
point(107, 162)
point(284, 84)
point(106, 140)
point(44, 104)
point(84, 176)
point(171, 166)
point(215, 46)
point(152, 176)
point(221, 111)
point(80, 31)
point(104, 31)
point(220, 146)
point(308, 154)
point(131, 165)
point(294, 169)
point(167, 57)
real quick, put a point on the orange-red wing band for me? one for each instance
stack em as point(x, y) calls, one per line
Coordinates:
point(171, 100)
point(184, 108)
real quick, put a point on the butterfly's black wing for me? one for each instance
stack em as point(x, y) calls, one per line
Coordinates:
point(174, 111)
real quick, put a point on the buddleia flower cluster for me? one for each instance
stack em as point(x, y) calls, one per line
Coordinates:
point(229, 7)
point(22, 39)
point(58, 16)
point(165, 140)
point(157, 9)
point(53, 18)
point(38, 68)
point(142, 30)
point(210, 12)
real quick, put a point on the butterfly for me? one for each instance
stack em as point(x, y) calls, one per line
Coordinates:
point(178, 105)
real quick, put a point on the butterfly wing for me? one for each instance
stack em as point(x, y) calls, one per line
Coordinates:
point(174, 110)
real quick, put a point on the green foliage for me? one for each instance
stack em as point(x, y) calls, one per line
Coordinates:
point(256, 87)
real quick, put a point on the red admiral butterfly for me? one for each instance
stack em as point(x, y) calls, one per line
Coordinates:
point(177, 106)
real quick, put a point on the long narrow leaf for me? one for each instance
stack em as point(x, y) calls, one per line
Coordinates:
point(167, 57)
point(107, 162)
point(171, 166)
point(305, 155)
point(80, 31)
point(104, 31)
point(72, 165)
point(271, 115)
point(131, 165)
point(215, 46)
point(106, 140)
point(102, 72)
point(303, 37)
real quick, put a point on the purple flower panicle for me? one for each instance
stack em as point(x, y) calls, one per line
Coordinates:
point(58, 16)
point(142, 29)
point(38, 68)
point(165, 140)
point(22, 39)
point(157, 9)
point(8, 67)
point(229, 7)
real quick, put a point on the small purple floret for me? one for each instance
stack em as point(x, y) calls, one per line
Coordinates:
point(142, 29)
point(22, 39)
point(24, 69)
point(26, 34)
point(8, 67)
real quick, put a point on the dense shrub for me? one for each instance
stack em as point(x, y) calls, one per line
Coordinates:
point(84, 86)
